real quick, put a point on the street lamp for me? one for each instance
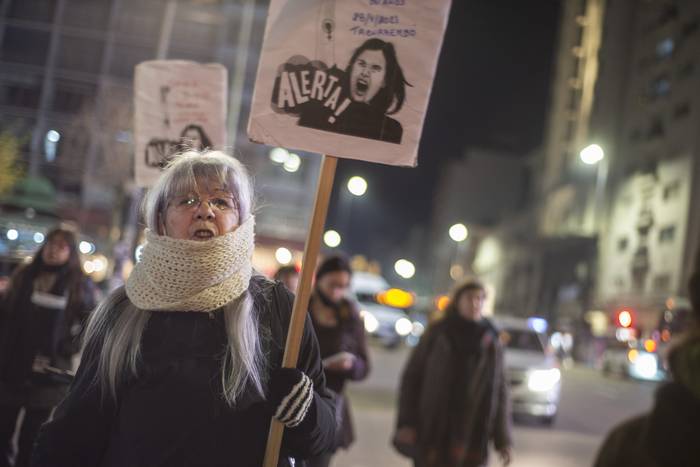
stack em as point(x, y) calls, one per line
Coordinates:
point(405, 268)
point(459, 232)
point(279, 155)
point(331, 238)
point(592, 154)
point(283, 255)
point(357, 186)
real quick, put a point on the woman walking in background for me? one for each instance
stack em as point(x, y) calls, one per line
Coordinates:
point(43, 311)
point(341, 337)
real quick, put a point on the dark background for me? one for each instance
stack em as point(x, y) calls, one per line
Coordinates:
point(491, 90)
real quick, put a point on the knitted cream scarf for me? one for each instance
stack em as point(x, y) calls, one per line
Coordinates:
point(190, 275)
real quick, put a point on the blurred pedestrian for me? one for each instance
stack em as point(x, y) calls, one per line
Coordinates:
point(43, 311)
point(289, 276)
point(341, 336)
point(454, 396)
point(666, 436)
point(182, 366)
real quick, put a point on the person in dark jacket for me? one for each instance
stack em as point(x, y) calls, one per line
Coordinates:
point(666, 436)
point(182, 366)
point(454, 398)
point(289, 276)
point(44, 309)
point(341, 335)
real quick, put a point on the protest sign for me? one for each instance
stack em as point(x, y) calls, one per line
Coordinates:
point(350, 78)
point(178, 105)
point(347, 79)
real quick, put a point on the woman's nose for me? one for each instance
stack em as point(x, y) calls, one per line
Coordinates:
point(204, 211)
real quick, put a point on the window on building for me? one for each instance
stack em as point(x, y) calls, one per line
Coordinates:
point(667, 234)
point(672, 190)
point(79, 54)
point(570, 130)
point(126, 58)
point(686, 70)
point(690, 28)
point(681, 110)
point(32, 10)
point(25, 46)
point(635, 135)
point(661, 86)
point(662, 282)
point(70, 97)
point(656, 128)
point(86, 15)
point(622, 244)
point(668, 14)
point(665, 47)
point(21, 95)
point(140, 21)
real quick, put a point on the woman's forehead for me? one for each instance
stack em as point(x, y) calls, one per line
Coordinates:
point(201, 184)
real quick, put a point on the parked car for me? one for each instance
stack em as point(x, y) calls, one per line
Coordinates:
point(531, 368)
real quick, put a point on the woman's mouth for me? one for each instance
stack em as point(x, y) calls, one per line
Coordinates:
point(362, 85)
point(203, 234)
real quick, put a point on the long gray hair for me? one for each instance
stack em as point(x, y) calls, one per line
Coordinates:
point(117, 326)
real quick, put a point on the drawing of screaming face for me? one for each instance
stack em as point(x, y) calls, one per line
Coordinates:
point(367, 75)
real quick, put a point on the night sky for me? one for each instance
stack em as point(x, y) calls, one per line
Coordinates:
point(491, 90)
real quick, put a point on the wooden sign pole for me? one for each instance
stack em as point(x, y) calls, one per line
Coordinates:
point(301, 302)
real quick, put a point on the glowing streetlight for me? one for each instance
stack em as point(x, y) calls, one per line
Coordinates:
point(459, 232)
point(357, 186)
point(592, 154)
point(283, 255)
point(456, 272)
point(279, 155)
point(405, 268)
point(331, 238)
point(53, 136)
point(86, 248)
point(292, 163)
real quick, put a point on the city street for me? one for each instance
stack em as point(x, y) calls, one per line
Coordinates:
point(590, 406)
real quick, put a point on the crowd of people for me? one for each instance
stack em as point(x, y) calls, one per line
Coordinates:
point(182, 366)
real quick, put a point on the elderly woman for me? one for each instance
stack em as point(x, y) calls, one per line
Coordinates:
point(182, 366)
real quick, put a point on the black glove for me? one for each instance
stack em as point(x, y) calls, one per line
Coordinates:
point(291, 394)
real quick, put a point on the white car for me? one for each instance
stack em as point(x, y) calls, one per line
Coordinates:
point(532, 371)
point(388, 324)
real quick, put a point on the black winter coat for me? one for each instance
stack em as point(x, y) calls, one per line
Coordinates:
point(454, 393)
point(347, 336)
point(666, 437)
point(37, 323)
point(173, 413)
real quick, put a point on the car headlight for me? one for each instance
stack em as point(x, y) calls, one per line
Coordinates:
point(371, 323)
point(403, 326)
point(418, 329)
point(646, 365)
point(543, 380)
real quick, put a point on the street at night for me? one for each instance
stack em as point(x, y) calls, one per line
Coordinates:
point(349, 233)
point(591, 405)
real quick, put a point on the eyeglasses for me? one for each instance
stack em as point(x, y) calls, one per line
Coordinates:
point(219, 203)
